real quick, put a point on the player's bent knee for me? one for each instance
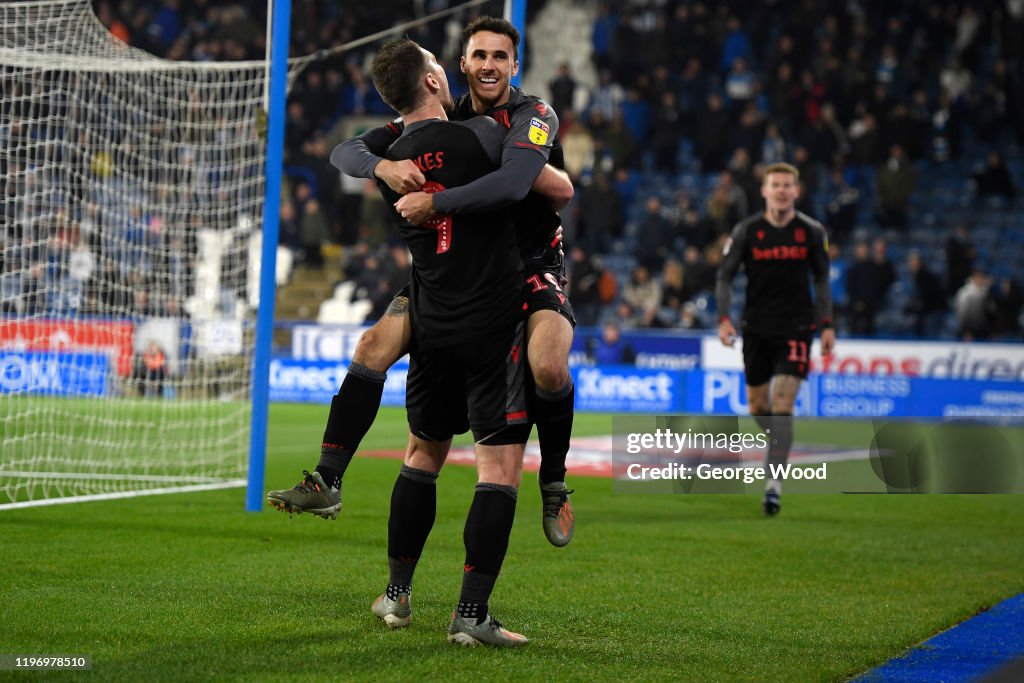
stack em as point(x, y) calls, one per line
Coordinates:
point(549, 374)
point(378, 349)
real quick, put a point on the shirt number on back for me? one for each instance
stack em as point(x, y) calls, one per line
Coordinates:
point(440, 222)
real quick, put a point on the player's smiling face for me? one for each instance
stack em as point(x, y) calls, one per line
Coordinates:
point(489, 65)
point(780, 191)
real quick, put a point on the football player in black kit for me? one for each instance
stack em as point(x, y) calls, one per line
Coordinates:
point(531, 129)
point(466, 368)
point(781, 250)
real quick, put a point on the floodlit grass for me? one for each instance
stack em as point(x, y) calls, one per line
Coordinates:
point(656, 587)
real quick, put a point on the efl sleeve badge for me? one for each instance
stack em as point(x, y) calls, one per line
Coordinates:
point(538, 131)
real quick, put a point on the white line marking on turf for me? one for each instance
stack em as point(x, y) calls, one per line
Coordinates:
point(234, 483)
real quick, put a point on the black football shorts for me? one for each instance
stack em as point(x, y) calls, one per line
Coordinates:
point(543, 291)
point(478, 386)
point(767, 356)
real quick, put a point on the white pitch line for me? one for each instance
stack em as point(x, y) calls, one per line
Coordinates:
point(235, 483)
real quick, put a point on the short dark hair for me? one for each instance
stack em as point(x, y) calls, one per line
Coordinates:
point(397, 70)
point(494, 25)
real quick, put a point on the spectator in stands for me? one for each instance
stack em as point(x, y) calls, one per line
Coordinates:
point(654, 236)
point(955, 80)
point(636, 117)
point(773, 146)
point(740, 84)
point(736, 44)
point(995, 178)
point(577, 145)
point(601, 215)
point(607, 97)
point(868, 281)
point(642, 292)
point(693, 92)
point(713, 128)
point(687, 222)
point(960, 255)
point(154, 370)
point(619, 142)
point(624, 315)
point(673, 294)
point(563, 90)
point(843, 204)
point(583, 281)
point(945, 132)
point(668, 130)
point(896, 182)
point(865, 139)
point(601, 36)
point(696, 273)
point(837, 280)
point(350, 203)
point(742, 171)
point(610, 349)
point(297, 129)
point(974, 307)
point(927, 302)
point(727, 203)
point(1008, 301)
point(689, 317)
point(314, 234)
point(289, 232)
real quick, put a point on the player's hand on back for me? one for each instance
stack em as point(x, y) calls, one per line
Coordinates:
point(401, 176)
point(415, 207)
point(727, 332)
point(828, 341)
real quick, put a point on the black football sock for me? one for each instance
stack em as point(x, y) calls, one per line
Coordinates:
point(779, 444)
point(413, 507)
point(553, 414)
point(763, 420)
point(488, 526)
point(353, 410)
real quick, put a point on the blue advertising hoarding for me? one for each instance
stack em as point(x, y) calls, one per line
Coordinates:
point(858, 396)
point(317, 381)
point(53, 373)
point(679, 372)
point(654, 350)
point(627, 389)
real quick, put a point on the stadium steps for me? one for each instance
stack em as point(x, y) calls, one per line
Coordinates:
point(300, 299)
point(561, 33)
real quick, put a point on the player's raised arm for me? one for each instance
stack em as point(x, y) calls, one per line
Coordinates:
point(363, 157)
point(822, 289)
point(732, 259)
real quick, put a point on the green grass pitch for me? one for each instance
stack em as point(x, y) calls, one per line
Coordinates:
point(190, 587)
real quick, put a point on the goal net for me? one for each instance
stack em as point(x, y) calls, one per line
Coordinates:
point(129, 253)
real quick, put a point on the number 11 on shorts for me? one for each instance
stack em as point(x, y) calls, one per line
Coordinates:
point(797, 351)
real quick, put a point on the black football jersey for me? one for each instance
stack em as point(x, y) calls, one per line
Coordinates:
point(779, 263)
point(529, 123)
point(465, 282)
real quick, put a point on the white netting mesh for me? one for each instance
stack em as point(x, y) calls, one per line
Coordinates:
point(132, 196)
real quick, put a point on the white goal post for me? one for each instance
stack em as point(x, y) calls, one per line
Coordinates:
point(133, 191)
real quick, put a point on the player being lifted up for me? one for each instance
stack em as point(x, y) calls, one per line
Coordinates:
point(489, 61)
point(466, 370)
point(781, 250)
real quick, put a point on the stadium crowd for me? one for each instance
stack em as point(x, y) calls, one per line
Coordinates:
point(906, 120)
